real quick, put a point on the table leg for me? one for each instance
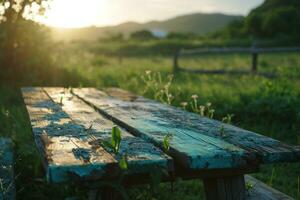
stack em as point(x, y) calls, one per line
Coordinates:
point(225, 188)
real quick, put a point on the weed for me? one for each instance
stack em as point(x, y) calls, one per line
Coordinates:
point(159, 87)
point(123, 162)
point(184, 105)
point(228, 118)
point(249, 186)
point(270, 182)
point(166, 142)
point(194, 103)
point(114, 146)
point(222, 131)
point(115, 142)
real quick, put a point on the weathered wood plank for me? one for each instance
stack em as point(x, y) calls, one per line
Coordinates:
point(143, 157)
point(62, 143)
point(188, 147)
point(197, 141)
point(7, 179)
point(262, 191)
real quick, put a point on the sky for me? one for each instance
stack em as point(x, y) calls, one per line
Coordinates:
point(81, 13)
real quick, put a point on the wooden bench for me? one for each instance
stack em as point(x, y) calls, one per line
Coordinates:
point(68, 125)
point(7, 186)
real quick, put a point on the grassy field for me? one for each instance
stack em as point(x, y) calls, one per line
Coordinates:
point(267, 106)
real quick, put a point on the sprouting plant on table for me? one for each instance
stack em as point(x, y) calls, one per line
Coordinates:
point(166, 142)
point(115, 142)
point(209, 111)
point(123, 163)
point(249, 186)
point(222, 131)
point(114, 146)
point(227, 119)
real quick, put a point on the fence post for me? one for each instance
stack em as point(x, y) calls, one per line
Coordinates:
point(175, 61)
point(254, 61)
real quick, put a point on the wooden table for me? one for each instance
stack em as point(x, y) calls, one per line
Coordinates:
point(69, 123)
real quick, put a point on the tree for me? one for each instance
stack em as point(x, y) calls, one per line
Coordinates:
point(13, 15)
point(274, 18)
point(142, 35)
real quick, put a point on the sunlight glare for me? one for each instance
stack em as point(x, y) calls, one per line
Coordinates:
point(74, 13)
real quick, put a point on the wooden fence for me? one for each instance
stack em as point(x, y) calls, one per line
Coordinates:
point(253, 51)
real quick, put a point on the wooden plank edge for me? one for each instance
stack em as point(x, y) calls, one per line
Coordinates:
point(262, 191)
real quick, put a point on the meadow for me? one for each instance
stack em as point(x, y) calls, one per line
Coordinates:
point(266, 106)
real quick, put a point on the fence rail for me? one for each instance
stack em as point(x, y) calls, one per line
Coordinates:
point(253, 51)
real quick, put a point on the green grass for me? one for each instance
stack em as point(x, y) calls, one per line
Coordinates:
point(270, 107)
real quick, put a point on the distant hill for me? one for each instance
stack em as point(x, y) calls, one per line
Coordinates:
point(198, 23)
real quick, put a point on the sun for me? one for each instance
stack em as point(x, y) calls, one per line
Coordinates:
point(74, 13)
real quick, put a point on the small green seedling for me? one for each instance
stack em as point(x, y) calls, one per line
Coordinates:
point(115, 142)
point(222, 131)
point(166, 142)
point(228, 118)
point(249, 186)
point(123, 163)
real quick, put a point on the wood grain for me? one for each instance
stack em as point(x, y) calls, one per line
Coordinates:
point(68, 134)
point(197, 142)
point(142, 156)
point(61, 141)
